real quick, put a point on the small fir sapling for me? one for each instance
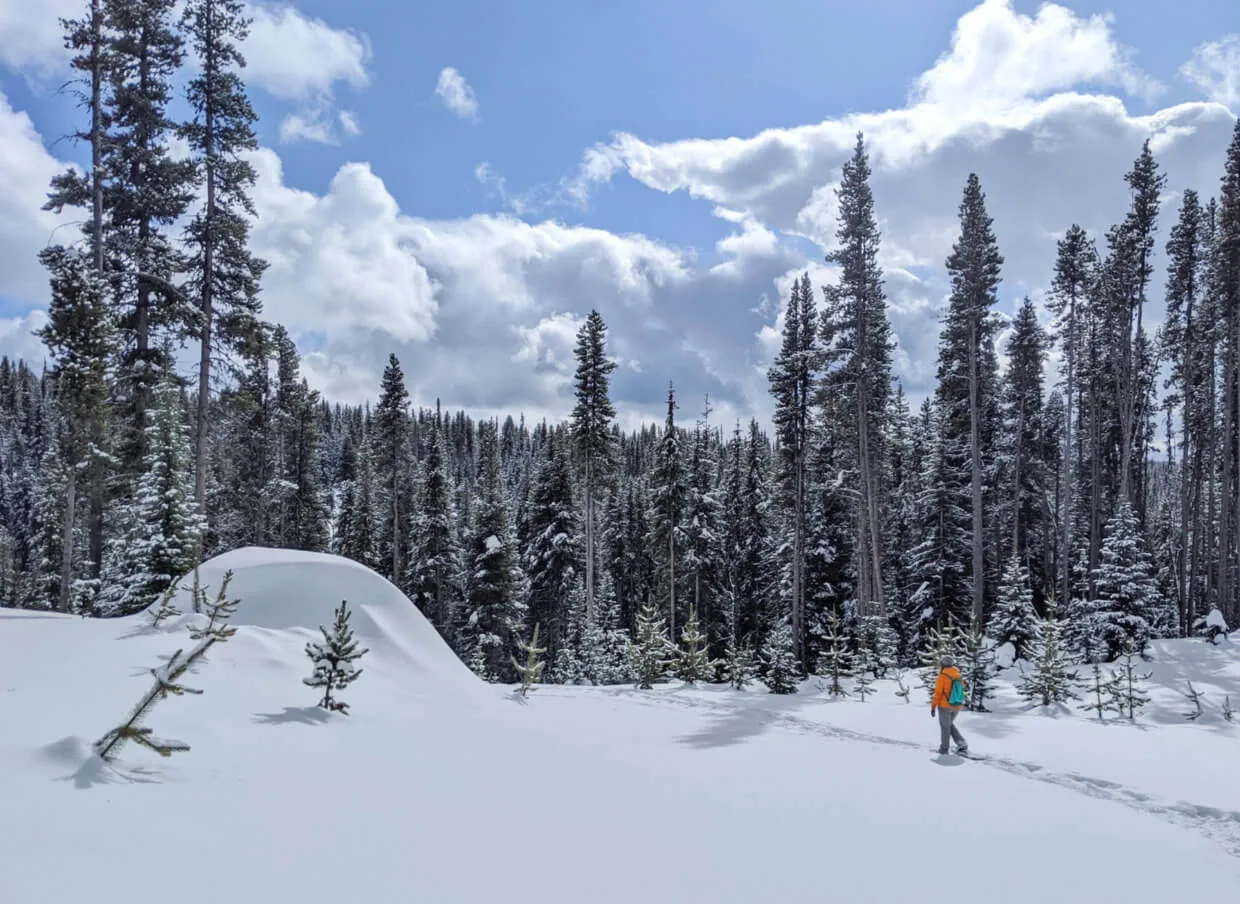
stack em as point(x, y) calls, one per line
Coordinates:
point(651, 653)
point(1101, 690)
point(882, 643)
point(166, 608)
point(218, 611)
point(1050, 681)
point(902, 690)
point(834, 662)
point(1228, 712)
point(1194, 697)
point(780, 662)
point(693, 663)
point(977, 667)
point(333, 660)
point(1127, 693)
point(167, 682)
point(863, 682)
point(531, 670)
point(741, 666)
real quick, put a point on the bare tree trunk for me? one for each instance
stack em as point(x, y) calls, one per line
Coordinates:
point(589, 539)
point(207, 306)
point(97, 489)
point(975, 454)
point(66, 540)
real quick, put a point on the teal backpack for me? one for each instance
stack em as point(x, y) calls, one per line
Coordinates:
point(956, 697)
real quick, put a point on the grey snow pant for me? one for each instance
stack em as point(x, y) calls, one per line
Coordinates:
point(948, 730)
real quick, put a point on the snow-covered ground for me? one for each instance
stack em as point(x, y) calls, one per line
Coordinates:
point(439, 788)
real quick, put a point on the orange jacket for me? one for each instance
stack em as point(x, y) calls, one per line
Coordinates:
point(943, 688)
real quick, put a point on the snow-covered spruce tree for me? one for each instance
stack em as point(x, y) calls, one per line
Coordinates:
point(669, 497)
point(740, 665)
point(224, 274)
point(568, 667)
point(651, 652)
point(553, 551)
point(494, 585)
point(977, 667)
point(355, 525)
point(591, 435)
point(1014, 621)
point(147, 188)
point(792, 378)
point(393, 488)
point(1211, 626)
point(877, 644)
point(433, 577)
point(333, 660)
point(80, 334)
point(967, 392)
point(1050, 680)
point(1129, 601)
point(693, 662)
point(835, 662)
point(780, 669)
point(530, 668)
point(163, 523)
point(604, 643)
point(1127, 689)
point(857, 344)
point(1100, 693)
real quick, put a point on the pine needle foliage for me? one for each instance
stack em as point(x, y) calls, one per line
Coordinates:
point(333, 660)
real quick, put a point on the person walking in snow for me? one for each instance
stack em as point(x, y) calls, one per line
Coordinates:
point(946, 702)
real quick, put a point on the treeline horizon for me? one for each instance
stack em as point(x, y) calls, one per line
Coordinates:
point(1000, 501)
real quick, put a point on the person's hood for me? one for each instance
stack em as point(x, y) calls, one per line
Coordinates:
point(952, 672)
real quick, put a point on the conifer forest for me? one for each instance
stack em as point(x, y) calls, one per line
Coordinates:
point(1075, 464)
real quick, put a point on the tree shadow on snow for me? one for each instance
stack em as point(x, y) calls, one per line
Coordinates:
point(94, 771)
point(304, 715)
point(741, 722)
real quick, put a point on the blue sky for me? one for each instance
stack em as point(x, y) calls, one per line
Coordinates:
point(669, 162)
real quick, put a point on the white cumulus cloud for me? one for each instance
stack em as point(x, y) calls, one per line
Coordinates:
point(456, 94)
point(1214, 68)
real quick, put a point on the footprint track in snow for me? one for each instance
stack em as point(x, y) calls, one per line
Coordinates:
point(1219, 825)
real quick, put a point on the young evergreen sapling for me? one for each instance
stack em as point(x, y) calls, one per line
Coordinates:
point(1228, 713)
point(651, 653)
point(1102, 694)
point(693, 662)
point(1127, 691)
point(740, 665)
point(531, 670)
point(333, 660)
point(902, 690)
point(781, 671)
point(1051, 681)
point(834, 662)
point(1194, 697)
point(218, 611)
point(977, 666)
point(166, 608)
point(167, 682)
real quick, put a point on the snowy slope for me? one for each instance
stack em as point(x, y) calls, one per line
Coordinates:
point(438, 788)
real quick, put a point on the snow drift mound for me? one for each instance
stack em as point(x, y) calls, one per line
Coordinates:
point(284, 589)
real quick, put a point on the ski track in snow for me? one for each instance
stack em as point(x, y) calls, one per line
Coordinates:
point(1219, 825)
